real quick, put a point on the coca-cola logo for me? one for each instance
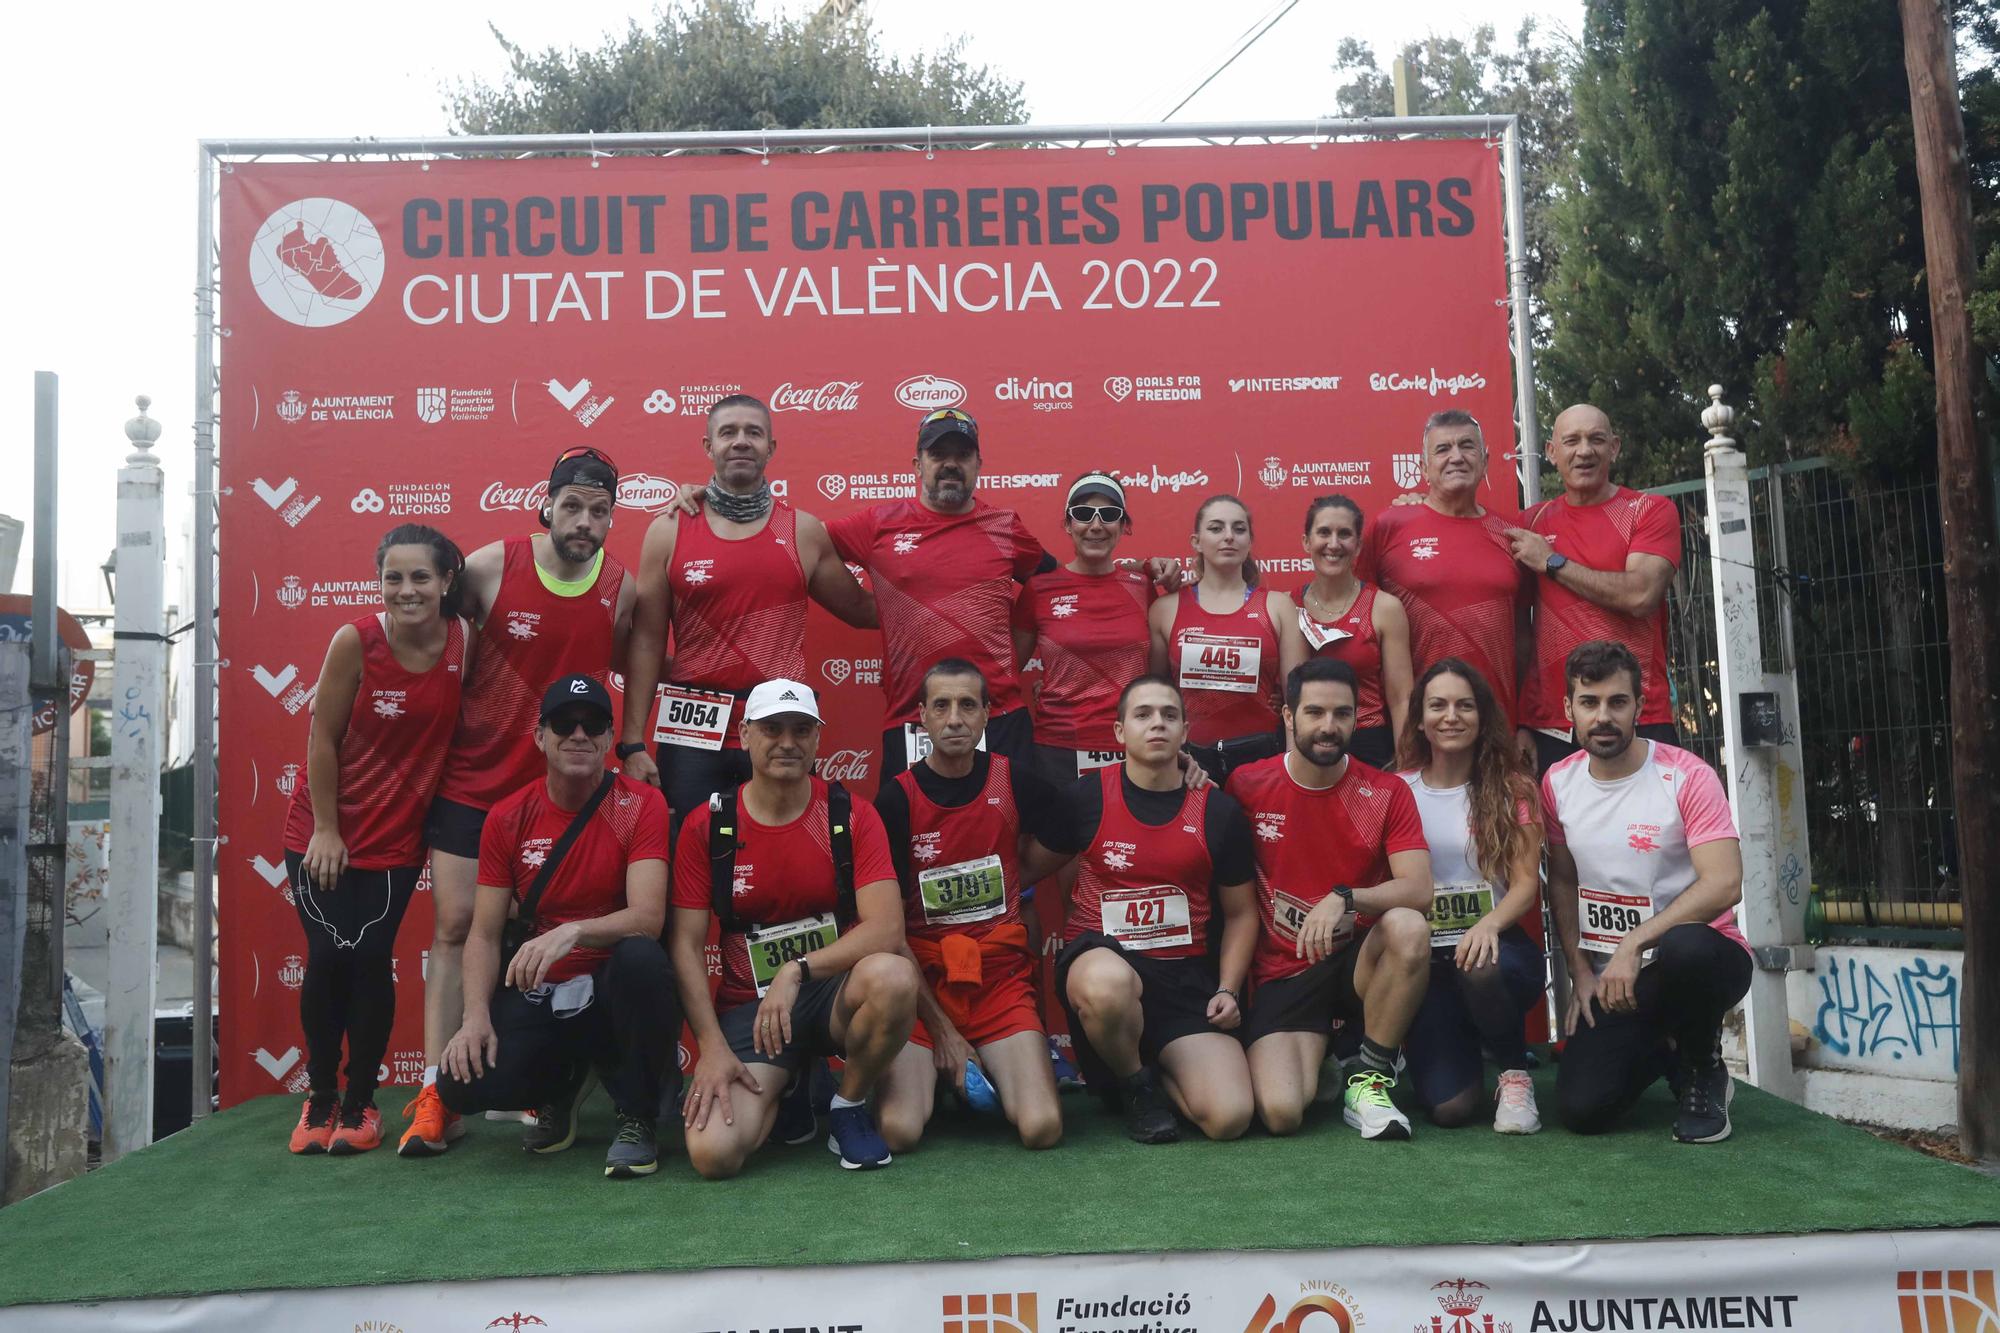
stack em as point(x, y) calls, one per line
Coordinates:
point(499, 496)
point(833, 396)
point(636, 490)
point(928, 393)
point(844, 766)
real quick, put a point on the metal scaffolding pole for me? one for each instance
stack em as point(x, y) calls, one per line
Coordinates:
point(200, 1079)
point(1527, 430)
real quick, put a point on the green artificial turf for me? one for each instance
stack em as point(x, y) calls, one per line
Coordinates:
point(225, 1207)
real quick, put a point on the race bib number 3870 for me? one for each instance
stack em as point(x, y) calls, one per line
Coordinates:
point(771, 947)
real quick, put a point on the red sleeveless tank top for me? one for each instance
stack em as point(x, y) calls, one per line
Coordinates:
point(1145, 885)
point(1361, 649)
point(739, 608)
point(391, 755)
point(1226, 666)
point(968, 873)
point(532, 637)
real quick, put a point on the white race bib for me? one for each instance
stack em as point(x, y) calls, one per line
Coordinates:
point(968, 891)
point(692, 719)
point(1220, 662)
point(1288, 916)
point(1605, 918)
point(1150, 918)
point(1089, 761)
point(917, 744)
point(1318, 635)
point(1456, 908)
point(771, 947)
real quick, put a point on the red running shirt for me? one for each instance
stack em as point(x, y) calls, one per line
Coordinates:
point(1226, 666)
point(964, 859)
point(1148, 886)
point(1458, 583)
point(944, 587)
point(1600, 537)
point(1307, 841)
point(532, 638)
point(392, 752)
point(1361, 649)
point(1091, 634)
point(630, 825)
point(782, 874)
point(739, 608)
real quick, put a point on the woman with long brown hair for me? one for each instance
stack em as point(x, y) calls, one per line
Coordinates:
point(1482, 822)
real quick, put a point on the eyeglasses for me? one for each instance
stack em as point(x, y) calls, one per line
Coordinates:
point(947, 414)
point(564, 725)
point(1097, 513)
point(585, 451)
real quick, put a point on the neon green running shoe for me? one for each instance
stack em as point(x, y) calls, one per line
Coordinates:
point(1367, 1107)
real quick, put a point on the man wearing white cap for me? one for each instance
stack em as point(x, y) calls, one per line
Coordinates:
point(812, 932)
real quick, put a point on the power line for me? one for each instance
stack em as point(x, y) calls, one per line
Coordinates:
point(1244, 43)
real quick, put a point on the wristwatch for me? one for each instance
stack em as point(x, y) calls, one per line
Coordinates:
point(627, 749)
point(1554, 563)
point(1346, 895)
point(805, 971)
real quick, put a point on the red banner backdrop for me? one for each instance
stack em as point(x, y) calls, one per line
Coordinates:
point(417, 341)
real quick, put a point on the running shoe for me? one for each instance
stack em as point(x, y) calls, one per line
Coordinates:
point(432, 1128)
point(1516, 1113)
point(1367, 1107)
point(634, 1150)
point(980, 1094)
point(555, 1121)
point(358, 1130)
point(315, 1128)
point(1705, 1096)
point(1149, 1116)
point(796, 1123)
point(1067, 1079)
point(856, 1139)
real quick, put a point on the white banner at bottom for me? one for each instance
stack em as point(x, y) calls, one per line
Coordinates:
point(1860, 1282)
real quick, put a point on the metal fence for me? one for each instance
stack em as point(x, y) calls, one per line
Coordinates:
point(1850, 599)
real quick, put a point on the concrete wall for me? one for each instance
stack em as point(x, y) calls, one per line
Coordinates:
point(1882, 1028)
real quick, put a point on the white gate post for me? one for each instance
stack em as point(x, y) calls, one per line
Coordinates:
point(138, 710)
point(1758, 717)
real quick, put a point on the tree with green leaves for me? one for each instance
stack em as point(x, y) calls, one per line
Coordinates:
point(720, 66)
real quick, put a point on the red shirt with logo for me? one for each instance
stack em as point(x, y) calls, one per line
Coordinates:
point(1149, 886)
point(739, 608)
point(944, 587)
point(1599, 536)
point(1459, 585)
point(1308, 840)
point(1092, 637)
point(783, 874)
point(532, 638)
point(956, 852)
point(1227, 667)
point(391, 754)
point(1358, 646)
point(628, 826)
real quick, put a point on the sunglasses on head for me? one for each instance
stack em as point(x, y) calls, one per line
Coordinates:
point(564, 725)
point(946, 414)
point(585, 451)
point(1097, 513)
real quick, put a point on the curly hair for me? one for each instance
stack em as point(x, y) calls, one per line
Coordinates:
point(1500, 785)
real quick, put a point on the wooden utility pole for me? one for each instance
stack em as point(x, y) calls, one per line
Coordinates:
point(1971, 562)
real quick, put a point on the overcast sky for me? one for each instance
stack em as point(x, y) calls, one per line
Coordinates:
point(107, 103)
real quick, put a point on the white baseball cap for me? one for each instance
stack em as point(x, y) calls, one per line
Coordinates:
point(776, 697)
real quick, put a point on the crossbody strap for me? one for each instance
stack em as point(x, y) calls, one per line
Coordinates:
point(561, 849)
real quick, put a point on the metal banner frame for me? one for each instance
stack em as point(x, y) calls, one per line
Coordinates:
point(220, 156)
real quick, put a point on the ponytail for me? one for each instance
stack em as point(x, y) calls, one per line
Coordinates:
point(445, 557)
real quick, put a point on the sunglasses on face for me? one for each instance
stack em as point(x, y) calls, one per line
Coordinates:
point(1097, 513)
point(564, 725)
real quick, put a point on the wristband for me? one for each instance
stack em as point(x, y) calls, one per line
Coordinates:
point(626, 749)
point(805, 971)
point(1224, 990)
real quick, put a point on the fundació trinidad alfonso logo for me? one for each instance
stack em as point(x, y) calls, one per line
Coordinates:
point(316, 262)
point(1321, 1307)
point(928, 393)
point(1949, 1300)
point(998, 1312)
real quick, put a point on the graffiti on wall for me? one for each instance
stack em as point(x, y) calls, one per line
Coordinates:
point(1888, 1011)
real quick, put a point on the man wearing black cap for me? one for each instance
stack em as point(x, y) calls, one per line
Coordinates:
point(579, 859)
point(546, 605)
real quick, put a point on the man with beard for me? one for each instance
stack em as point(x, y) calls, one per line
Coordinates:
point(547, 606)
point(1644, 871)
point(1344, 886)
point(731, 579)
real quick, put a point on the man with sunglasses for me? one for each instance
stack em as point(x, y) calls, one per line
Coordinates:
point(590, 993)
point(730, 578)
point(546, 605)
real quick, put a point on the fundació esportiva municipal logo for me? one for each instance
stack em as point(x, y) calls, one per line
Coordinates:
point(316, 262)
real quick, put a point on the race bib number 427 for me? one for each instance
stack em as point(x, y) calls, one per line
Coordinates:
point(1149, 918)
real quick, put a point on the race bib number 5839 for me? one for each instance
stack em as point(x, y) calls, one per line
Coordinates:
point(1606, 918)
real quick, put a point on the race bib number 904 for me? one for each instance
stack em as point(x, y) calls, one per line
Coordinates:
point(773, 946)
point(1606, 918)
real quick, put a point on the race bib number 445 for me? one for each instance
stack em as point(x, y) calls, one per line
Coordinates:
point(771, 947)
point(1605, 918)
point(1220, 662)
point(1149, 918)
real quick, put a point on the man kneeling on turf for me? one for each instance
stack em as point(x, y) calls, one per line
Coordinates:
point(1137, 976)
point(955, 820)
point(580, 857)
point(812, 939)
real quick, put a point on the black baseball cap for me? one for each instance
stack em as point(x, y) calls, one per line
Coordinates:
point(581, 466)
point(945, 423)
point(575, 689)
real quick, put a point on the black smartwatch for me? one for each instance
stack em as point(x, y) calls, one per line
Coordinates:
point(805, 971)
point(1553, 565)
point(627, 749)
point(1346, 895)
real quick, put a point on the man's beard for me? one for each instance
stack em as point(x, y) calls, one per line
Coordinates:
point(567, 548)
point(1309, 753)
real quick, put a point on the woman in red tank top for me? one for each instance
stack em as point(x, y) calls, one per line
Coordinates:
point(1228, 643)
point(383, 712)
point(1358, 623)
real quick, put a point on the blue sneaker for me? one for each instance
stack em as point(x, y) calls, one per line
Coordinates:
point(856, 1139)
point(1067, 1079)
point(795, 1123)
point(979, 1094)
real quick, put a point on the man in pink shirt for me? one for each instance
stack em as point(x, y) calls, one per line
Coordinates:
point(1644, 869)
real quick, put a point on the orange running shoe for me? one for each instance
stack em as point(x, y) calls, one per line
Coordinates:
point(432, 1128)
point(314, 1132)
point(358, 1130)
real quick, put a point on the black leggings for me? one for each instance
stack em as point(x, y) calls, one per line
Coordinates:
point(350, 987)
point(1697, 975)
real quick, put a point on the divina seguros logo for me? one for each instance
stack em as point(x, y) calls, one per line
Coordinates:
point(316, 262)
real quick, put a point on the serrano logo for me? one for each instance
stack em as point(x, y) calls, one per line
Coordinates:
point(928, 393)
point(316, 262)
point(833, 396)
point(1953, 1300)
point(647, 493)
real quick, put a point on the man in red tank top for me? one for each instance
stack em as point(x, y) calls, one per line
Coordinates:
point(546, 606)
point(1150, 1002)
point(730, 578)
point(955, 819)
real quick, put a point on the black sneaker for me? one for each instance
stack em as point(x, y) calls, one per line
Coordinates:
point(1706, 1092)
point(1149, 1116)
point(555, 1121)
point(634, 1152)
point(796, 1122)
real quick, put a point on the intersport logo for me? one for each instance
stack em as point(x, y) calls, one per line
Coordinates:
point(929, 393)
point(833, 396)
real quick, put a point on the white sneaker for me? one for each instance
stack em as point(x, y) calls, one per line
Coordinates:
point(1369, 1109)
point(1516, 1112)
